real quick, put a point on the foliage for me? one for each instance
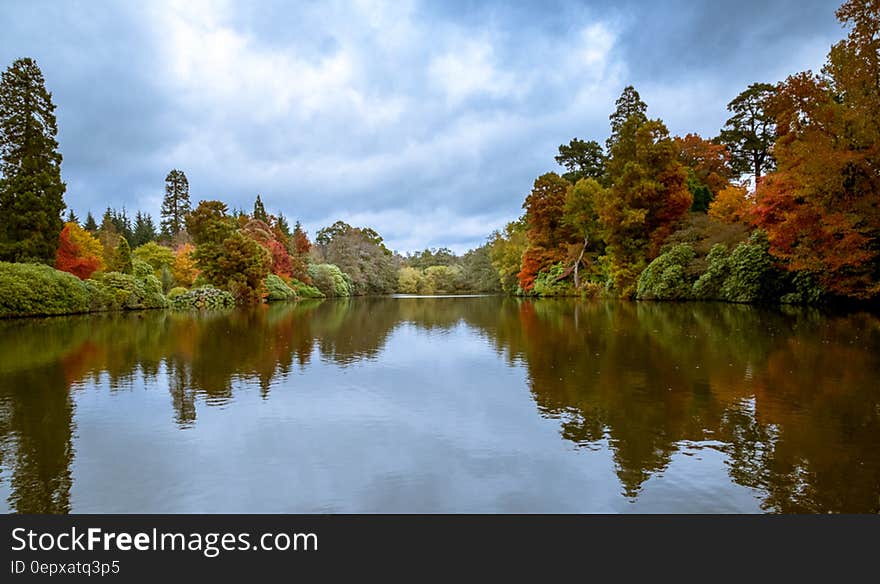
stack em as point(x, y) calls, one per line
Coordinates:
point(708, 285)
point(409, 280)
point(31, 190)
point(751, 271)
point(158, 256)
point(141, 269)
point(629, 108)
point(120, 291)
point(122, 258)
point(582, 160)
point(204, 298)
point(144, 230)
point(548, 235)
point(441, 280)
point(79, 253)
point(750, 132)
point(260, 211)
point(667, 277)
point(34, 289)
point(506, 252)
point(277, 289)
point(176, 204)
point(330, 280)
point(184, 267)
point(549, 282)
point(305, 290)
point(175, 292)
point(360, 253)
point(478, 275)
point(648, 197)
point(820, 209)
point(732, 205)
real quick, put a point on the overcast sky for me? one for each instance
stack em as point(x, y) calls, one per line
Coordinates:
point(427, 121)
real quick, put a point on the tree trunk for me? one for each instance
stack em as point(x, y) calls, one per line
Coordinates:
point(577, 264)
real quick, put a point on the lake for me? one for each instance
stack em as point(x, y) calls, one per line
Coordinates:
point(478, 404)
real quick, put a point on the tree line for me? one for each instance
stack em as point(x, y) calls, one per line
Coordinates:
point(782, 205)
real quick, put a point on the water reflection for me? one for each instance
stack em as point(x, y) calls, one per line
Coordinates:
point(788, 400)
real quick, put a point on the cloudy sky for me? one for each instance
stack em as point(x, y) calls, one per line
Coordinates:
point(427, 121)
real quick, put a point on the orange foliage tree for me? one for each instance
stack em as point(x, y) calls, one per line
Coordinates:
point(821, 208)
point(79, 252)
point(732, 205)
point(548, 234)
point(184, 267)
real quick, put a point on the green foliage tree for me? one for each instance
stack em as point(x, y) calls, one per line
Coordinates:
point(31, 190)
point(176, 204)
point(506, 250)
point(144, 230)
point(122, 260)
point(580, 214)
point(750, 132)
point(260, 211)
point(582, 160)
point(90, 225)
point(71, 217)
point(158, 256)
point(628, 106)
point(648, 196)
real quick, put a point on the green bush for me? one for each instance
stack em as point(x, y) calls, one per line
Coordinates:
point(330, 280)
point(751, 271)
point(278, 290)
point(126, 292)
point(175, 292)
point(667, 277)
point(35, 289)
point(141, 269)
point(304, 290)
point(547, 282)
point(204, 298)
point(708, 285)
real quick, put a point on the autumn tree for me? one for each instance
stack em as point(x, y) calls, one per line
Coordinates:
point(226, 256)
point(648, 196)
point(580, 214)
point(750, 132)
point(79, 252)
point(548, 235)
point(581, 159)
point(184, 268)
point(732, 205)
point(708, 168)
point(31, 190)
point(175, 205)
point(506, 250)
point(821, 208)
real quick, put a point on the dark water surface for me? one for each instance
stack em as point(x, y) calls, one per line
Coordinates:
point(443, 405)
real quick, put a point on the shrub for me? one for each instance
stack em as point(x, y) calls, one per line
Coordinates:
point(175, 292)
point(158, 256)
point(278, 290)
point(304, 290)
point(330, 280)
point(547, 282)
point(751, 271)
point(141, 269)
point(205, 298)
point(34, 289)
point(708, 285)
point(126, 292)
point(667, 277)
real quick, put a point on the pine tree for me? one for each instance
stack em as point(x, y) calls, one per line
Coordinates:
point(176, 204)
point(71, 217)
point(144, 229)
point(122, 261)
point(282, 224)
point(628, 105)
point(90, 225)
point(31, 190)
point(260, 211)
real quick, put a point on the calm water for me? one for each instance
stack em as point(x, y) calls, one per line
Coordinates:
point(443, 405)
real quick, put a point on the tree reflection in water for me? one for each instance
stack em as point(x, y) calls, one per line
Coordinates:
point(790, 397)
